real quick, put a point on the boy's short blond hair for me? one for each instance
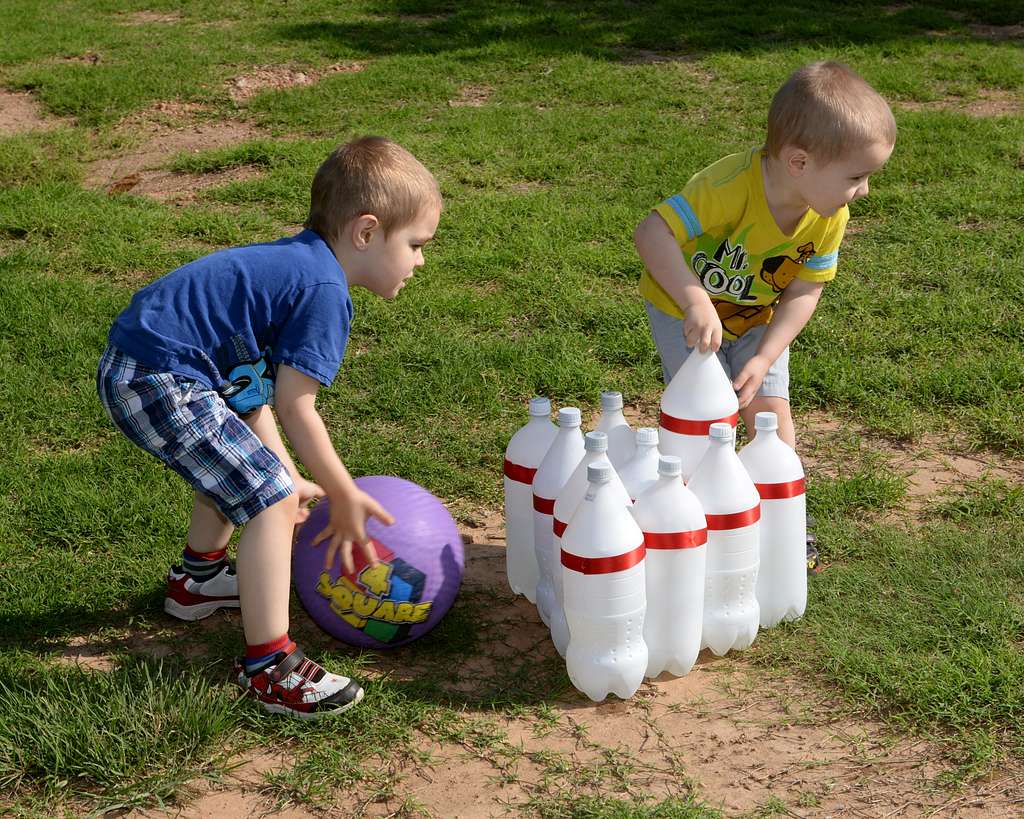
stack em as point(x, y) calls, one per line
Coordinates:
point(369, 175)
point(828, 109)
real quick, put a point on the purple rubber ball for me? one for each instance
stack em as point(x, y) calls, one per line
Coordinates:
point(407, 594)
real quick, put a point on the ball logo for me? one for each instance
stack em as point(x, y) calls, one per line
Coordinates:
point(382, 601)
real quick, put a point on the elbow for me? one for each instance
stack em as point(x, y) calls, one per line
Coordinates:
point(640, 235)
point(292, 413)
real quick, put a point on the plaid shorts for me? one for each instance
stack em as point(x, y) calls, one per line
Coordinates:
point(191, 429)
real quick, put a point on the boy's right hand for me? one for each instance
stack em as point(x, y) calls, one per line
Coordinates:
point(347, 526)
point(702, 327)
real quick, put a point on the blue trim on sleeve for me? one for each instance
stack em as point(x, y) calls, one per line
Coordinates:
point(822, 262)
point(686, 216)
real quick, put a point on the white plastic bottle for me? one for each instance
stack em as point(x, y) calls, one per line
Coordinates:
point(641, 471)
point(565, 452)
point(523, 455)
point(675, 537)
point(698, 395)
point(732, 508)
point(603, 576)
point(779, 477)
point(595, 445)
point(613, 424)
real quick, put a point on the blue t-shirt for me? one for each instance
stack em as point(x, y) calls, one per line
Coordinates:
point(208, 316)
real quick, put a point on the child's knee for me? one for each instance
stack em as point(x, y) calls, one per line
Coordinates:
point(769, 403)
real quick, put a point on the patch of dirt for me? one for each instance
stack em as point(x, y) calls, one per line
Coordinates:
point(88, 58)
point(155, 136)
point(997, 33)
point(145, 18)
point(241, 793)
point(20, 113)
point(646, 56)
point(932, 464)
point(472, 95)
point(275, 77)
point(690, 63)
point(989, 103)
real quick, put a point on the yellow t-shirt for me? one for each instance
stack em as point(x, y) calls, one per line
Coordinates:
point(734, 247)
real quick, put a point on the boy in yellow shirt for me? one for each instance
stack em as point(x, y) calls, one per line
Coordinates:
point(737, 261)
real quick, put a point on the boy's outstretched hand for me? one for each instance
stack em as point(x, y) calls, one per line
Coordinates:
point(748, 382)
point(347, 526)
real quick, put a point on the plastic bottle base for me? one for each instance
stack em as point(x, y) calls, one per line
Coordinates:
point(726, 639)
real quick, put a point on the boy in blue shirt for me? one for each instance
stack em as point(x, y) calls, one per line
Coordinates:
point(194, 364)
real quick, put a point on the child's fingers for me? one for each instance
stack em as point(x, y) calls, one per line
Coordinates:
point(716, 337)
point(382, 514)
point(370, 552)
point(332, 551)
point(346, 557)
point(707, 337)
point(322, 535)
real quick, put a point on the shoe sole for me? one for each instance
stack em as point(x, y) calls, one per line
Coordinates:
point(197, 612)
point(274, 708)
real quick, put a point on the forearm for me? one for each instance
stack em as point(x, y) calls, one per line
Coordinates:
point(795, 309)
point(312, 443)
point(664, 260)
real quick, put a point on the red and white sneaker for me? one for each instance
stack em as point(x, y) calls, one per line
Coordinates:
point(189, 599)
point(299, 687)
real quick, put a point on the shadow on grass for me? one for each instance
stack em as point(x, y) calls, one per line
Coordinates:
point(635, 31)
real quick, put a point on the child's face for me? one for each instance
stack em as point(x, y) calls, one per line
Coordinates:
point(394, 258)
point(829, 186)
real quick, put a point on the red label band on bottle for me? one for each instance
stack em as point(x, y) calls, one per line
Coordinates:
point(519, 473)
point(780, 491)
point(546, 506)
point(676, 540)
point(603, 565)
point(558, 527)
point(736, 520)
point(686, 426)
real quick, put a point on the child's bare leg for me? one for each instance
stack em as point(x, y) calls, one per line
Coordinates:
point(780, 406)
point(264, 571)
point(209, 530)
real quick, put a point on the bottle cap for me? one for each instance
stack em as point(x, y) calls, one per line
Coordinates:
point(611, 400)
point(721, 432)
point(600, 472)
point(648, 436)
point(670, 465)
point(595, 442)
point(569, 417)
point(540, 406)
point(766, 421)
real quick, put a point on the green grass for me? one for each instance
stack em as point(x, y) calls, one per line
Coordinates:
point(135, 734)
point(592, 112)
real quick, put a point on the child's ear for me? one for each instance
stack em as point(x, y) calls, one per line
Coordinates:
point(795, 160)
point(363, 229)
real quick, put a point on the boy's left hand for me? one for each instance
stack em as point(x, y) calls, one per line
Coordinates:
point(307, 492)
point(748, 382)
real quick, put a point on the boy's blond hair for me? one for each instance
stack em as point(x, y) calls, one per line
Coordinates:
point(828, 110)
point(369, 175)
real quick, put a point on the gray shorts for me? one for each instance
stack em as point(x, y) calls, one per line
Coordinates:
point(667, 332)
